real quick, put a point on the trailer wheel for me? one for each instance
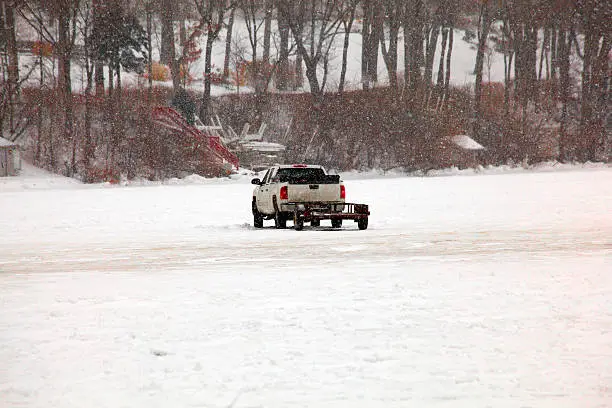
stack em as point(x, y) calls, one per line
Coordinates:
point(315, 223)
point(337, 223)
point(298, 222)
point(362, 224)
point(257, 217)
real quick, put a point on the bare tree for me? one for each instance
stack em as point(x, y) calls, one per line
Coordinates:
point(594, 22)
point(414, 22)
point(394, 10)
point(269, 11)
point(485, 19)
point(228, 42)
point(10, 90)
point(323, 25)
point(347, 24)
point(371, 32)
point(168, 52)
point(212, 15)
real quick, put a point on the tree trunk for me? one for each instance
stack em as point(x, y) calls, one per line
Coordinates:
point(299, 60)
point(99, 65)
point(365, 41)
point(601, 84)
point(440, 81)
point(508, 54)
point(88, 149)
point(347, 28)
point(531, 64)
point(182, 32)
point(372, 31)
point(448, 61)
point(204, 109)
point(65, 80)
point(483, 31)
point(431, 51)
point(149, 52)
point(407, 48)
point(414, 15)
point(111, 81)
point(283, 68)
point(169, 57)
point(269, 8)
point(167, 34)
point(564, 87)
point(544, 52)
point(39, 103)
point(12, 92)
point(11, 47)
point(553, 54)
point(375, 37)
point(394, 16)
point(228, 43)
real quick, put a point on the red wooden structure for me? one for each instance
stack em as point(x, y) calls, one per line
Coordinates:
point(173, 120)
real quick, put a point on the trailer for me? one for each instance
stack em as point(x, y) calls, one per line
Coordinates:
point(315, 212)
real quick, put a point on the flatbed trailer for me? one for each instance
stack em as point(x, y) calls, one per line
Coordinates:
point(314, 212)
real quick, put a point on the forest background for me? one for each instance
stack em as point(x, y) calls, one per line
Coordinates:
point(405, 109)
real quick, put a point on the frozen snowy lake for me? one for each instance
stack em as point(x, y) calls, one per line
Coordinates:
point(466, 291)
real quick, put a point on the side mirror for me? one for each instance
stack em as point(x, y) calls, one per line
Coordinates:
point(256, 181)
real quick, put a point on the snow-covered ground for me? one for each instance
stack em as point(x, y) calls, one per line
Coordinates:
point(470, 290)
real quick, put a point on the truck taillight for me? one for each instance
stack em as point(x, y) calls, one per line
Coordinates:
point(342, 191)
point(284, 194)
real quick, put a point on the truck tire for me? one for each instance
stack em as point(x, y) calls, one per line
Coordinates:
point(280, 220)
point(362, 224)
point(257, 217)
point(336, 223)
point(315, 223)
point(298, 222)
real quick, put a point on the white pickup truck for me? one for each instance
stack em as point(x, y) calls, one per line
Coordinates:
point(302, 193)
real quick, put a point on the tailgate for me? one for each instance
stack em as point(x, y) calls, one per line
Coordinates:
point(301, 193)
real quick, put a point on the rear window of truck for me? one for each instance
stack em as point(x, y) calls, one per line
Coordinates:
point(301, 175)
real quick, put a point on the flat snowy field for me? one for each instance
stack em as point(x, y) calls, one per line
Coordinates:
point(489, 290)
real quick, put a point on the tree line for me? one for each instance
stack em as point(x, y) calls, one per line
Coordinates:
point(542, 42)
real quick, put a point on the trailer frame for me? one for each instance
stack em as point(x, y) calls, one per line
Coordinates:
point(336, 212)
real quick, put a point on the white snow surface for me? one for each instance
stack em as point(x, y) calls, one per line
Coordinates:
point(466, 142)
point(486, 289)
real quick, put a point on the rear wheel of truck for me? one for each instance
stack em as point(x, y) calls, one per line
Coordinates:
point(362, 224)
point(315, 223)
point(257, 217)
point(298, 222)
point(336, 223)
point(280, 220)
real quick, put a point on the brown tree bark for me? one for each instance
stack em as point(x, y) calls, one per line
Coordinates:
point(393, 15)
point(269, 8)
point(440, 80)
point(64, 49)
point(449, 54)
point(483, 35)
point(228, 43)
point(98, 7)
point(372, 29)
point(168, 53)
point(283, 68)
point(348, 24)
